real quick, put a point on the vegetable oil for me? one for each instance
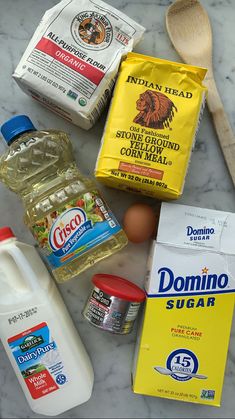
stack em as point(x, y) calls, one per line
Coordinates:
point(63, 209)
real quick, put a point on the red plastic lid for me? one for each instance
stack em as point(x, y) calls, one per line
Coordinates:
point(119, 287)
point(6, 233)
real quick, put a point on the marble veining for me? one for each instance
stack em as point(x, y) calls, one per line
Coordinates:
point(208, 185)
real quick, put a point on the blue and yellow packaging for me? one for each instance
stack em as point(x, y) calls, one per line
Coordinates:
point(182, 348)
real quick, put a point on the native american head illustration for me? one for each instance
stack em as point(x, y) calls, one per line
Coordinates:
point(156, 110)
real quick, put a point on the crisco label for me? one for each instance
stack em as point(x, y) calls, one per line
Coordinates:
point(74, 228)
point(67, 229)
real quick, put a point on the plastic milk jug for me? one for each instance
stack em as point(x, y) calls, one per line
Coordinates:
point(38, 334)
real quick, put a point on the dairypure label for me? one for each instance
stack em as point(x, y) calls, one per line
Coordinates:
point(38, 360)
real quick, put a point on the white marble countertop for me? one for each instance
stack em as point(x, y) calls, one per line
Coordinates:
point(208, 185)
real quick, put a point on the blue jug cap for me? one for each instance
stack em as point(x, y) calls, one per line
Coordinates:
point(16, 126)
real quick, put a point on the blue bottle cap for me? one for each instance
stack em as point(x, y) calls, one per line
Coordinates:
point(16, 126)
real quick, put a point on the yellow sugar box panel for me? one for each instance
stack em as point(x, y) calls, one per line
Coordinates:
point(183, 343)
point(176, 343)
point(151, 127)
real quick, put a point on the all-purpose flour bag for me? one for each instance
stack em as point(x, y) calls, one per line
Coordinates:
point(72, 60)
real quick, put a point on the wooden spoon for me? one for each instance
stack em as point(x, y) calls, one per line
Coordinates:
point(190, 32)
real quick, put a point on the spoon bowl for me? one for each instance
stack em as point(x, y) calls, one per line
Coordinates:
point(189, 29)
point(190, 32)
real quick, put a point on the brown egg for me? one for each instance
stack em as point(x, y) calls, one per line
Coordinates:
point(139, 223)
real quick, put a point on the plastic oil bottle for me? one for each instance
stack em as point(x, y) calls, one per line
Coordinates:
point(38, 334)
point(64, 210)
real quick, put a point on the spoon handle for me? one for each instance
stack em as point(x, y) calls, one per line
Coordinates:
point(223, 128)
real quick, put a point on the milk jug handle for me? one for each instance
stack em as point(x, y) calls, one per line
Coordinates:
point(24, 266)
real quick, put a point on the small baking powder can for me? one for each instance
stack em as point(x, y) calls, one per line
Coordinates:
point(113, 303)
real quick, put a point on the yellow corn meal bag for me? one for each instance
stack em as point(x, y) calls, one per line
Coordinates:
point(151, 127)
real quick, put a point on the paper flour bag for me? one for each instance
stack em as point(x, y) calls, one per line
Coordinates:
point(73, 57)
